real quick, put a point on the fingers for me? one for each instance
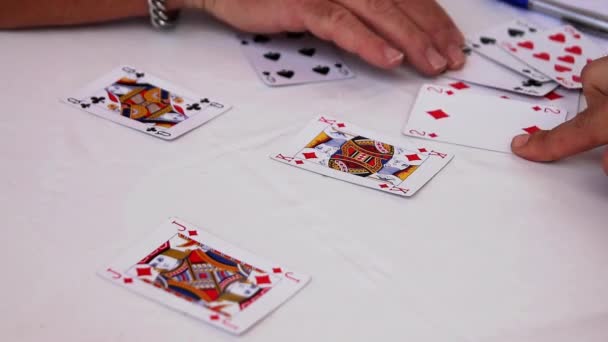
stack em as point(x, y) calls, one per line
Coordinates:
point(386, 18)
point(587, 130)
point(595, 83)
point(331, 21)
point(435, 22)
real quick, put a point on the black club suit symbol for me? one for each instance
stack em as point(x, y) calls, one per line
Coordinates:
point(194, 106)
point(98, 99)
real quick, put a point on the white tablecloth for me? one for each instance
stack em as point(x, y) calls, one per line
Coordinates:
point(494, 249)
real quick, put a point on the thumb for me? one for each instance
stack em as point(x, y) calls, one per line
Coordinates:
point(582, 133)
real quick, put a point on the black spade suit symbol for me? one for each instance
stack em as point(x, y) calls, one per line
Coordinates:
point(515, 32)
point(466, 50)
point(487, 40)
point(286, 73)
point(273, 56)
point(151, 129)
point(532, 83)
point(320, 69)
point(307, 51)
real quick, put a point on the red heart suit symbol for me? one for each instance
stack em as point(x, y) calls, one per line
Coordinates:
point(558, 37)
point(575, 49)
point(566, 58)
point(543, 55)
point(527, 44)
point(561, 68)
point(576, 78)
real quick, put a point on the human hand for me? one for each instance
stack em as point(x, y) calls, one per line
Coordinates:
point(382, 32)
point(589, 129)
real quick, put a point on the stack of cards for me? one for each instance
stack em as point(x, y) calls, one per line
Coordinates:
point(560, 53)
point(518, 79)
point(194, 272)
point(520, 57)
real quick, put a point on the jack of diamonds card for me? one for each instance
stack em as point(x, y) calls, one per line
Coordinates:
point(138, 100)
point(343, 151)
point(197, 273)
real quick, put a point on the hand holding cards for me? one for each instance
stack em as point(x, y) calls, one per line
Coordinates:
point(143, 102)
point(192, 271)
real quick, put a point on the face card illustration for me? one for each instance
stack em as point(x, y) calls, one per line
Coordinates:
point(469, 119)
point(560, 53)
point(192, 271)
point(488, 44)
point(560, 97)
point(480, 70)
point(141, 101)
point(340, 150)
point(293, 58)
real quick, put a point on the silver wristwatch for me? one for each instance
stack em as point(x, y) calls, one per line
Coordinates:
point(160, 17)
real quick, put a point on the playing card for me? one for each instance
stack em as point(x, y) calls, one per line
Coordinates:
point(488, 43)
point(138, 100)
point(343, 151)
point(293, 58)
point(560, 53)
point(192, 271)
point(481, 70)
point(560, 97)
point(469, 119)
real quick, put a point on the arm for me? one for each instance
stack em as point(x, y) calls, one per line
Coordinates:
point(36, 13)
point(383, 32)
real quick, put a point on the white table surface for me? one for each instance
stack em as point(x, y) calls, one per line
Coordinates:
point(494, 249)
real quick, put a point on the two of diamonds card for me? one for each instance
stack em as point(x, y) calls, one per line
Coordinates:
point(138, 100)
point(560, 53)
point(293, 58)
point(561, 97)
point(190, 270)
point(465, 118)
point(340, 150)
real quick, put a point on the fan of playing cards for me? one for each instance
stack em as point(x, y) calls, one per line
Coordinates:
point(519, 79)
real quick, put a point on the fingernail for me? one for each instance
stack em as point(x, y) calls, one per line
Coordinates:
point(437, 61)
point(456, 56)
point(520, 140)
point(392, 56)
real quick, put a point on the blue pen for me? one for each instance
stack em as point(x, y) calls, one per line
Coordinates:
point(572, 14)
